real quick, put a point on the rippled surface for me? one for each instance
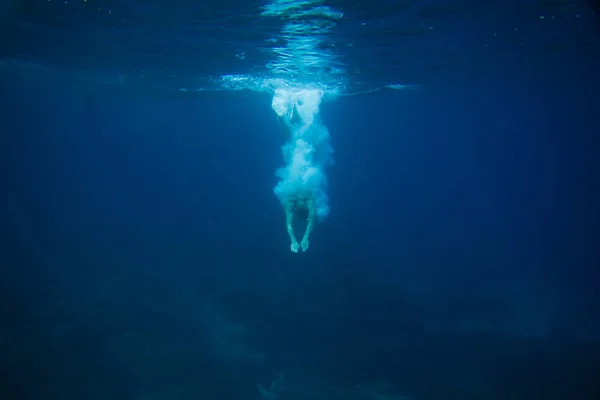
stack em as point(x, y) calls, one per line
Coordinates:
point(346, 46)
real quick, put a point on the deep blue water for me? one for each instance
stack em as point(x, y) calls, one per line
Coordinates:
point(144, 253)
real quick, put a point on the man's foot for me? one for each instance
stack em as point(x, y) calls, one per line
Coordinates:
point(294, 247)
point(304, 244)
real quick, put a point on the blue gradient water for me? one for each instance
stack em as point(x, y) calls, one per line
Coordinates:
point(146, 150)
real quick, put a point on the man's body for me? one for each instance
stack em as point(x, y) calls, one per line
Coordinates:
point(301, 204)
point(294, 206)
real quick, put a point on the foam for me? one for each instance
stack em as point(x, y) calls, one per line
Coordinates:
point(307, 151)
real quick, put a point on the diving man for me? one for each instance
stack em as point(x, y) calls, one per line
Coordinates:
point(300, 206)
